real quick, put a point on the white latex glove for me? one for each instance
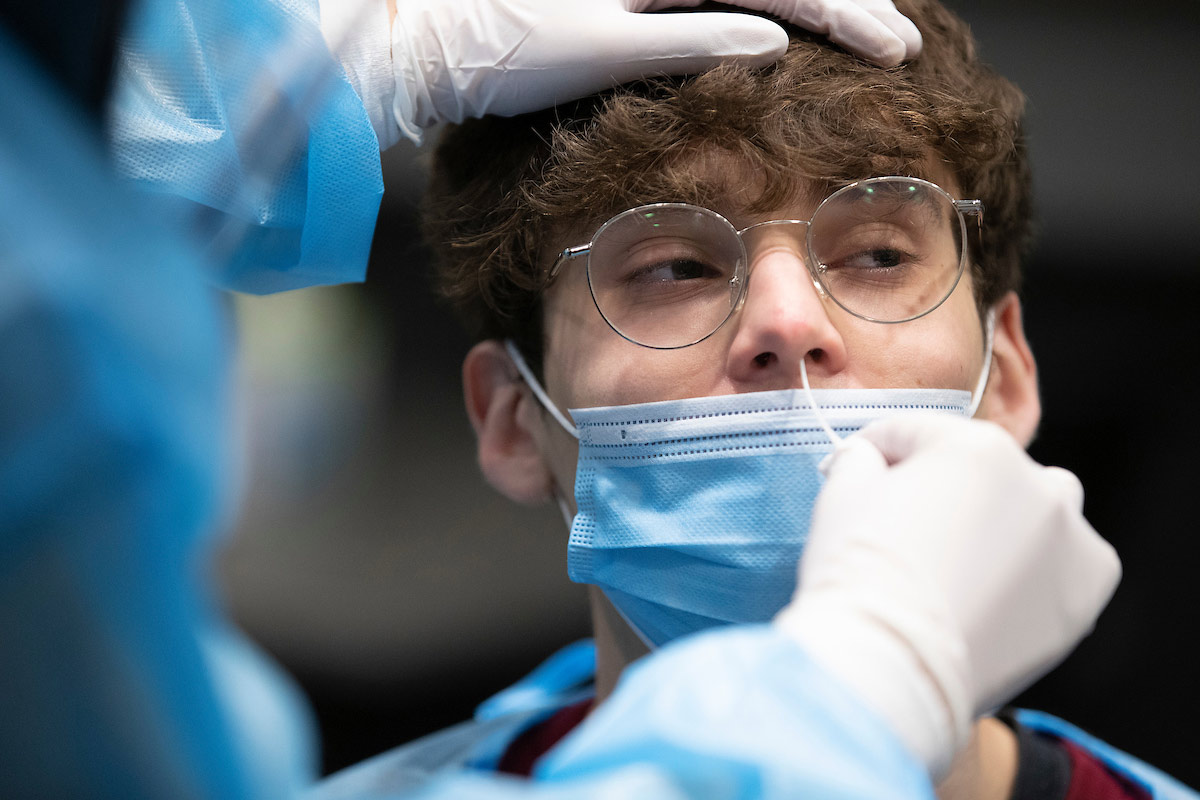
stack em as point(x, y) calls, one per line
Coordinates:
point(465, 58)
point(945, 571)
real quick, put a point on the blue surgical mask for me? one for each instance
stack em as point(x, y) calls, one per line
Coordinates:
point(693, 513)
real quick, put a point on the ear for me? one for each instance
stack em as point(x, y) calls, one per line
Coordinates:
point(1011, 397)
point(503, 412)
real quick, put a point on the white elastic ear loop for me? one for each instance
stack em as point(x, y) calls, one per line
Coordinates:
point(564, 509)
point(536, 386)
point(548, 404)
point(651, 646)
point(989, 333)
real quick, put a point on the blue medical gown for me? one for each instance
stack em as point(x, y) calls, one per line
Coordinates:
point(736, 712)
point(566, 678)
point(119, 676)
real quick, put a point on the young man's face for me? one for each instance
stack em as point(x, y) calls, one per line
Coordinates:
point(783, 318)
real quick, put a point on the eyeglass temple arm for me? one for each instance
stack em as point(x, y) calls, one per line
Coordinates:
point(565, 256)
point(973, 208)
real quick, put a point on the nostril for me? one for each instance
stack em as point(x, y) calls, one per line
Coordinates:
point(815, 355)
point(763, 359)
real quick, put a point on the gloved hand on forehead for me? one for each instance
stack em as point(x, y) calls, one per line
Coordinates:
point(466, 58)
point(942, 557)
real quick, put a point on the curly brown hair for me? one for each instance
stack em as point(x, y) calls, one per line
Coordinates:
point(504, 190)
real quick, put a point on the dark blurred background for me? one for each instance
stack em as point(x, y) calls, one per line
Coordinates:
point(379, 568)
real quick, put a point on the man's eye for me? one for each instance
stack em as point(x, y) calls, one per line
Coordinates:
point(878, 259)
point(682, 269)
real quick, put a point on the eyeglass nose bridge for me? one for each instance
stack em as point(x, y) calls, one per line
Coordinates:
point(804, 251)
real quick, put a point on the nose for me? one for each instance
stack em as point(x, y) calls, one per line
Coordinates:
point(783, 318)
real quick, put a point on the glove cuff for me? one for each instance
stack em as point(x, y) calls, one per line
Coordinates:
point(417, 57)
point(357, 33)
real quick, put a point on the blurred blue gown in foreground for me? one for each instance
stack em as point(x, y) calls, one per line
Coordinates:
point(116, 666)
point(119, 677)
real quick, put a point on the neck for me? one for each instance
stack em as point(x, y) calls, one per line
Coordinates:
point(986, 768)
point(617, 646)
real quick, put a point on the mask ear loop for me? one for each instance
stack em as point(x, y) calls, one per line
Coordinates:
point(548, 404)
point(536, 387)
point(651, 646)
point(989, 333)
point(563, 508)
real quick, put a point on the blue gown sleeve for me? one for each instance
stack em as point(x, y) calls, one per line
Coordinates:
point(740, 712)
point(240, 121)
point(733, 713)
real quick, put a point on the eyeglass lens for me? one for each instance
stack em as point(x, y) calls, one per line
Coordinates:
point(664, 276)
point(670, 275)
point(888, 251)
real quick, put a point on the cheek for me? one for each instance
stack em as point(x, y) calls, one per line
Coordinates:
point(588, 364)
point(607, 370)
point(943, 350)
point(953, 360)
point(953, 350)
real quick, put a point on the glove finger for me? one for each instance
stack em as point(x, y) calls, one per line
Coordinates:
point(655, 5)
point(1103, 567)
point(853, 469)
point(900, 438)
point(1062, 620)
point(853, 463)
point(1066, 485)
point(847, 23)
point(595, 52)
point(860, 32)
point(679, 44)
point(897, 23)
point(1095, 571)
